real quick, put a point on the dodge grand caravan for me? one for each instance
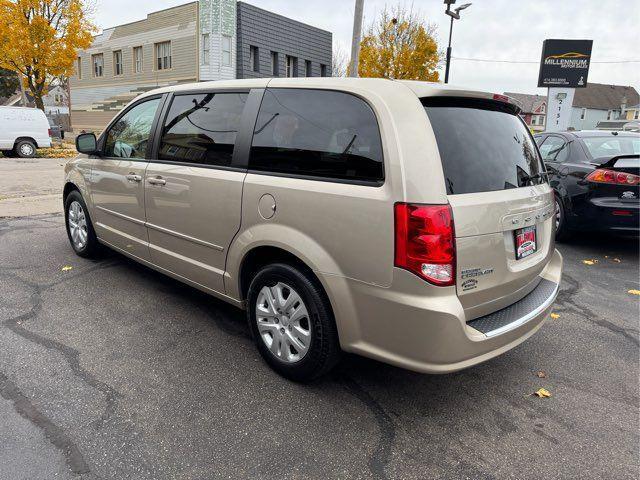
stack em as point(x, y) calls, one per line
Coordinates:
point(404, 221)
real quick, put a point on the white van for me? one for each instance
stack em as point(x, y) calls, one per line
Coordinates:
point(22, 131)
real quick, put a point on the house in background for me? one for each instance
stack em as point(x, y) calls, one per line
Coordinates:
point(198, 41)
point(602, 104)
point(534, 109)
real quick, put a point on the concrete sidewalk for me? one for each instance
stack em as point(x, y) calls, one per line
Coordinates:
point(30, 186)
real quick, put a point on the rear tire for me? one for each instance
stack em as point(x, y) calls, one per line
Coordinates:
point(299, 346)
point(80, 230)
point(25, 149)
point(562, 231)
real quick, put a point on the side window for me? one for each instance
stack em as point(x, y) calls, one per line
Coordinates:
point(129, 137)
point(317, 133)
point(202, 128)
point(554, 149)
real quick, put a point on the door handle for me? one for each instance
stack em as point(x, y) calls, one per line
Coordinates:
point(157, 181)
point(132, 177)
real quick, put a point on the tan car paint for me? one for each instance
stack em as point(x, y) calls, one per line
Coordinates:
point(344, 233)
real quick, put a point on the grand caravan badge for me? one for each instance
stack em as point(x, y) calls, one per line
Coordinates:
point(475, 272)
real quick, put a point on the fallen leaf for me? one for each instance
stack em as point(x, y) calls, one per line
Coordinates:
point(590, 262)
point(543, 393)
point(66, 268)
point(634, 292)
point(617, 260)
point(541, 374)
point(555, 316)
point(606, 256)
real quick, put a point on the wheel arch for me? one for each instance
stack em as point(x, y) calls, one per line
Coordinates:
point(25, 139)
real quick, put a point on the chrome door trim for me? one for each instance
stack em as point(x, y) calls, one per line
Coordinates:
point(184, 237)
point(121, 215)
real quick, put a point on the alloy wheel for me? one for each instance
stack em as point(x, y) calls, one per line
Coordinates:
point(77, 225)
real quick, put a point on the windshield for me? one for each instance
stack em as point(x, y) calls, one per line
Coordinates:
point(612, 146)
point(484, 146)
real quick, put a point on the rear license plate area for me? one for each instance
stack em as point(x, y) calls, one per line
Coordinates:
point(525, 242)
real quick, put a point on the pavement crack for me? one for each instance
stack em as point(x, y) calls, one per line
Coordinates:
point(382, 454)
point(56, 435)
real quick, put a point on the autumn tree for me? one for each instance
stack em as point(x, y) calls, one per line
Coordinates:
point(399, 44)
point(339, 62)
point(39, 39)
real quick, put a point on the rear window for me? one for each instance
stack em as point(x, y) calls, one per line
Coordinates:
point(484, 146)
point(611, 146)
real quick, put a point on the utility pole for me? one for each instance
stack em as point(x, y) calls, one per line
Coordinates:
point(355, 41)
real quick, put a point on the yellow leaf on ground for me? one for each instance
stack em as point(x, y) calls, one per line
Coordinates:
point(66, 268)
point(634, 292)
point(555, 316)
point(589, 262)
point(541, 374)
point(543, 393)
point(617, 260)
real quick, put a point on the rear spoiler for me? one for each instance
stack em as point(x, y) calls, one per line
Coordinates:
point(610, 162)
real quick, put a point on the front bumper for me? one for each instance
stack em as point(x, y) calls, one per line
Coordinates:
point(428, 332)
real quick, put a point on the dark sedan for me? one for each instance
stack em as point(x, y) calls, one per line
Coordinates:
point(595, 175)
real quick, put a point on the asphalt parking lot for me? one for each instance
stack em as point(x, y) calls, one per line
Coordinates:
point(109, 370)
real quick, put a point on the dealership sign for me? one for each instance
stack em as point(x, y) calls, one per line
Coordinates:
point(565, 63)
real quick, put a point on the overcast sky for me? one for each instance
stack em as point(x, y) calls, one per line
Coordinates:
point(508, 30)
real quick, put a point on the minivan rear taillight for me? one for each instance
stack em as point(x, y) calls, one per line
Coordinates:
point(425, 242)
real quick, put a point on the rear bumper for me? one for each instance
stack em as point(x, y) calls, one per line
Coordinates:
point(426, 331)
point(607, 214)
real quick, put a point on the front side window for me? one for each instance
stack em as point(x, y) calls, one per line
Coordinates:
point(129, 136)
point(98, 64)
point(163, 56)
point(317, 133)
point(554, 149)
point(202, 128)
point(226, 50)
point(117, 62)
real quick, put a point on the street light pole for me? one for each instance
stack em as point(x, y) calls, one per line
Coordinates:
point(454, 15)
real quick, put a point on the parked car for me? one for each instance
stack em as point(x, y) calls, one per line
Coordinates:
point(595, 177)
point(403, 221)
point(22, 131)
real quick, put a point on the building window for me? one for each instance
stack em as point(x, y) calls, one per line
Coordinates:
point(117, 62)
point(534, 120)
point(307, 68)
point(163, 56)
point(292, 64)
point(226, 50)
point(636, 114)
point(542, 117)
point(206, 49)
point(609, 114)
point(275, 69)
point(254, 58)
point(79, 68)
point(583, 113)
point(323, 70)
point(137, 59)
point(542, 108)
point(98, 64)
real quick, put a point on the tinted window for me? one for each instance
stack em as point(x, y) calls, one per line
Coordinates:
point(554, 149)
point(317, 133)
point(202, 128)
point(612, 146)
point(129, 136)
point(484, 146)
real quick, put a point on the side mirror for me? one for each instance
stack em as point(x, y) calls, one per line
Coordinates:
point(86, 143)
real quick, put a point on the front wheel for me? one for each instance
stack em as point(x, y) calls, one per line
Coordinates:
point(79, 227)
point(25, 149)
point(292, 322)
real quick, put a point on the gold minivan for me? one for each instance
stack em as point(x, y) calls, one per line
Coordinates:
point(404, 221)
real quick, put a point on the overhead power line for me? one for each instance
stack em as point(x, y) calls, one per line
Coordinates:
point(489, 60)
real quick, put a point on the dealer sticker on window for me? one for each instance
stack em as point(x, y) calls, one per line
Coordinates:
point(525, 242)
